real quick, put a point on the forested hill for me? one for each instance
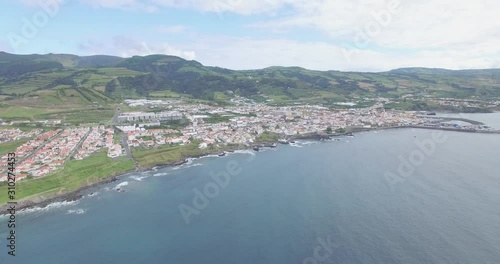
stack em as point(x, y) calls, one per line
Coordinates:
point(156, 75)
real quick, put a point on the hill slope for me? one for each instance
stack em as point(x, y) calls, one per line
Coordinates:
point(154, 75)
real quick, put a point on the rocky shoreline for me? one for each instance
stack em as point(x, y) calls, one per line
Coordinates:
point(44, 200)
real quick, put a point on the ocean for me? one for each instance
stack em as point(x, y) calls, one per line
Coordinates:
point(394, 196)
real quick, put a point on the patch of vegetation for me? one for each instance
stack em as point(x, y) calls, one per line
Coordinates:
point(267, 137)
point(94, 116)
point(75, 174)
point(172, 124)
point(340, 130)
point(169, 154)
point(20, 112)
point(11, 146)
point(166, 94)
point(147, 138)
point(216, 118)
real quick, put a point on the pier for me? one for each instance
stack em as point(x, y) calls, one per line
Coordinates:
point(472, 122)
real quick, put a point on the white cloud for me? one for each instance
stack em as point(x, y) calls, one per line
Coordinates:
point(418, 24)
point(136, 5)
point(173, 29)
point(422, 27)
point(241, 53)
point(244, 7)
point(432, 33)
point(31, 3)
point(249, 53)
point(127, 47)
point(122, 4)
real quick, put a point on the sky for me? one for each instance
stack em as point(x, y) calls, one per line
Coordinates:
point(346, 35)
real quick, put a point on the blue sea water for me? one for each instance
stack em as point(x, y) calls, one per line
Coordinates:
point(314, 202)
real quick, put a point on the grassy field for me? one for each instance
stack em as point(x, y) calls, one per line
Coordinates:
point(119, 72)
point(75, 174)
point(33, 81)
point(216, 118)
point(26, 128)
point(77, 115)
point(20, 112)
point(62, 98)
point(267, 137)
point(95, 116)
point(167, 94)
point(167, 154)
point(11, 146)
point(18, 89)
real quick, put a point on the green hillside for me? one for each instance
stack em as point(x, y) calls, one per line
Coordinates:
point(62, 83)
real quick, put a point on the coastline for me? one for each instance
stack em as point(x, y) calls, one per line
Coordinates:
point(42, 200)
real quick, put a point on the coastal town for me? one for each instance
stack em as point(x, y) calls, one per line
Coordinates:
point(47, 150)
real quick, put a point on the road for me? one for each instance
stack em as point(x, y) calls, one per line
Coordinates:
point(41, 146)
point(114, 120)
point(34, 151)
point(78, 145)
point(123, 139)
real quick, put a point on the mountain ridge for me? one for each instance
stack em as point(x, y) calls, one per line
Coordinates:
point(118, 59)
point(144, 76)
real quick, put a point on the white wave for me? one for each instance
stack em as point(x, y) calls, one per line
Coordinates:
point(77, 211)
point(119, 186)
point(308, 142)
point(48, 207)
point(160, 174)
point(209, 156)
point(295, 145)
point(139, 178)
point(245, 152)
point(186, 165)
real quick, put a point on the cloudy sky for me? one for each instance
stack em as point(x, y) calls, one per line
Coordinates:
point(355, 35)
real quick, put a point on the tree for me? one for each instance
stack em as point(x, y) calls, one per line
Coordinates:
point(329, 130)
